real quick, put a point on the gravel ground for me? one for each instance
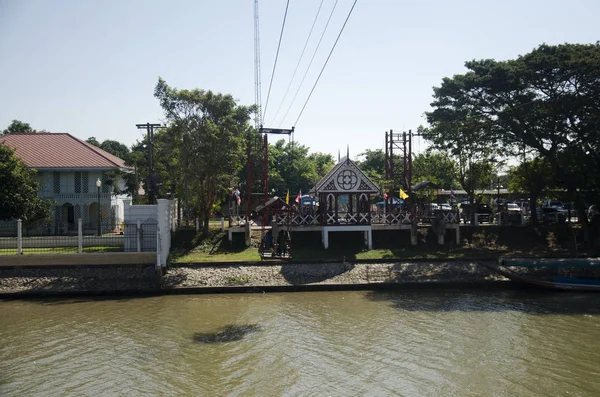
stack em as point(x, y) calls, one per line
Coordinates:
point(294, 274)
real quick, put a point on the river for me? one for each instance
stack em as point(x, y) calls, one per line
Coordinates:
point(377, 343)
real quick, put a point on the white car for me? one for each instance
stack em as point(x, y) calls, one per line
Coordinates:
point(445, 207)
point(512, 207)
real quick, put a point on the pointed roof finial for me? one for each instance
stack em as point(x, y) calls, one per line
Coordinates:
point(338, 155)
point(348, 152)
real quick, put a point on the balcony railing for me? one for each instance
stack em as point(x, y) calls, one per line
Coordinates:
point(76, 196)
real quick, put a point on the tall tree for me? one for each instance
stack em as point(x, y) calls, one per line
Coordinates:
point(115, 147)
point(93, 141)
point(436, 167)
point(18, 127)
point(19, 190)
point(546, 102)
point(212, 128)
point(533, 177)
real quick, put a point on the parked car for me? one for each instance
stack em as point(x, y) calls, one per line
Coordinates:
point(445, 207)
point(430, 207)
point(485, 211)
point(513, 207)
point(552, 215)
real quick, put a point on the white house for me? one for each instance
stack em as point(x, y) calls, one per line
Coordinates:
point(69, 170)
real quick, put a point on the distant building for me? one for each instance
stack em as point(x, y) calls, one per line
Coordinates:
point(67, 169)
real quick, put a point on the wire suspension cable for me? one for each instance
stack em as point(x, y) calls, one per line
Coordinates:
point(257, 84)
point(309, 64)
point(276, 56)
point(327, 60)
point(299, 60)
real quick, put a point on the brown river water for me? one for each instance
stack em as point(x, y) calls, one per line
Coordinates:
point(359, 343)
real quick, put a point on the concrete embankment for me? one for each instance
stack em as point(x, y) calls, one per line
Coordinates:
point(233, 277)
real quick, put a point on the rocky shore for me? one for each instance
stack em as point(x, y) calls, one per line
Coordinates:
point(307, 274)
point(214, 277)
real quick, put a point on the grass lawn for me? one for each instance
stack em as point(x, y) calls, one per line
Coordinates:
point(482, 243)
point(58, 250)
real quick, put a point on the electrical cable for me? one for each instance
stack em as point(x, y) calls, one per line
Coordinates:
point(299, 60)
point(309, 64)
point(326, 61)
point(276, 56)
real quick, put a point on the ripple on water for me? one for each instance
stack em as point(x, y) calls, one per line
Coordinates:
point(330, 343)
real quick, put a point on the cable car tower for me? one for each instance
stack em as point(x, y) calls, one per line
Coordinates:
point(258, 143)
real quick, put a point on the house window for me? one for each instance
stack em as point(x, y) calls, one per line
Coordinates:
point(56, 183)
point(77, 182)
point(105, 186)
point(85, 182)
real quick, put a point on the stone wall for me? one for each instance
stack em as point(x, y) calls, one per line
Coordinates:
point(77, 279)
point(214, 277)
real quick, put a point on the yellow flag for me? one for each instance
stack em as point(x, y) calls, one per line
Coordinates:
point(287, 197)
point(403, 195)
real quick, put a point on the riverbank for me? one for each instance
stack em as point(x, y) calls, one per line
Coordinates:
point(228, 277)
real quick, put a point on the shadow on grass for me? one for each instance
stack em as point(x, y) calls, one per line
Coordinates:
point(186, 242)
point(534, 301)
point(228, 333)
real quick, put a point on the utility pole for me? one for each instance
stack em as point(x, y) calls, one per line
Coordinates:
point(151, 180)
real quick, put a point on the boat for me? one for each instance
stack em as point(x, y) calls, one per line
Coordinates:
point(563, 274)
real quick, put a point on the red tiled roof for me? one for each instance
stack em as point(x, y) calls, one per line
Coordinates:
point(59, 150)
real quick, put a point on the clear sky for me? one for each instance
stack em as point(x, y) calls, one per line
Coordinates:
point(89, 67)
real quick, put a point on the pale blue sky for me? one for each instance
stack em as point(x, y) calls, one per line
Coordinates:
point(89, 67)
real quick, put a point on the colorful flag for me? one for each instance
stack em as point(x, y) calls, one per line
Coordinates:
point(385, 196)
point(236, 193)
point(299, 197)
point(452, 194)
point(287, 197)
point(403, 195)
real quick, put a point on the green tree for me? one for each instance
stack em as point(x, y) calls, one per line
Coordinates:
point(212, 128)
point(533, 177)
point(292, 168)
point(19, 190)
point(373, 165)
point(93, 141)
point(436, 167)
point(115, 148)
point(323, 163)
point(18, 127)
point(545, 102)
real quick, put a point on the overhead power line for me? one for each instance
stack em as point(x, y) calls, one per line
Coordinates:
point(327, 60)
point(310, 63)
point(299, 60)
point(276, 56)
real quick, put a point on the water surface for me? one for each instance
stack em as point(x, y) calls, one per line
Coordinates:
point(412, 343)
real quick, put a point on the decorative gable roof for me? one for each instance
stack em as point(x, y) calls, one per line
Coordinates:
point(60, 150)
point(276, 203)
point(345, 177)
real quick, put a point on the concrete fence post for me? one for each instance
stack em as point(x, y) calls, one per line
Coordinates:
point(248, 234)
point(158, 249)
point(222, 223)
point(19, 236)
point(139, 235)
point(162, 209)
point(79, 235)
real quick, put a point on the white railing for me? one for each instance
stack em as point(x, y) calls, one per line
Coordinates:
point(360, 218)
